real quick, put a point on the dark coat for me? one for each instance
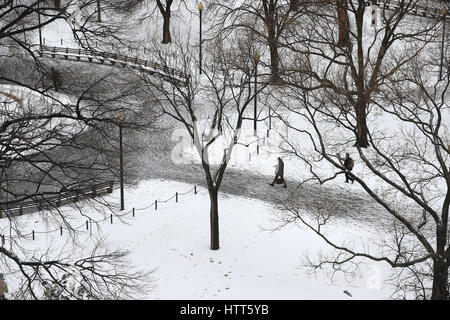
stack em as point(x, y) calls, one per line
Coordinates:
point(348, 164)
point(280, 172)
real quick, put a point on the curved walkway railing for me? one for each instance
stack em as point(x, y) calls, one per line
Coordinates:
point(115, 59)
point(434, 11)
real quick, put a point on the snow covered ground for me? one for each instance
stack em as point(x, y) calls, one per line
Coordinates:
point(254, 261)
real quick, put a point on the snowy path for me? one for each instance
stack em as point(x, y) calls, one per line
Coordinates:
point(348, 201)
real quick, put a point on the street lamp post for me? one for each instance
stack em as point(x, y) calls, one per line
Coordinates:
point(39, 23)
point(200, 10)
point(120, 119)
point(256, 59)
point(444, 16)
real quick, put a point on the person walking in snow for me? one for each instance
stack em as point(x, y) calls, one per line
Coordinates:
point(348, 165)
point(279, 173)
point(3, 287)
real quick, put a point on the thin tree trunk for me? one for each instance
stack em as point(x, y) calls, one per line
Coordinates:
point(361, 125)
point(214, 218)
point(99, 12)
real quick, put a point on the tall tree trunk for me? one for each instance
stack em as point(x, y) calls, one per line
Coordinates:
point(165, 12)
point(361, 125)
point(270, 21)
point(214, 218)
point(440, 279)
point(166, 27)
point(440, 263)
point(99, 11)
point(342, 22)
point(274, 60)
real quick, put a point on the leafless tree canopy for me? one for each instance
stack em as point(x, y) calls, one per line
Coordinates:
point(58, 129)
point(325, 63)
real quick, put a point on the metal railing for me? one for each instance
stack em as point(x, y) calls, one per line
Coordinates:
point(54, 201)
point(113, 58)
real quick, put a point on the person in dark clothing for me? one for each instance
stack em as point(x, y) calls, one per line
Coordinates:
point(348, 165)
point(279, 173)
point(56, 77)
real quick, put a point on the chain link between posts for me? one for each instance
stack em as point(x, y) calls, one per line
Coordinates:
point(33, 233)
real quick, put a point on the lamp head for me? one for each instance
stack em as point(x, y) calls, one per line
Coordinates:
point(120, 119)
point(256, 56)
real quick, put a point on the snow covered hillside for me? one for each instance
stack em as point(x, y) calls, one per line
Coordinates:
point(256, 260)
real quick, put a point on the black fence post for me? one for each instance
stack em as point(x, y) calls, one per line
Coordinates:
point(156, 204)
point(94, 190)
point(87, 225)
point(111, 218)
point(133, 212)
point(60, 230)
point(195, 189)
point(176, 197)
point(32, 234)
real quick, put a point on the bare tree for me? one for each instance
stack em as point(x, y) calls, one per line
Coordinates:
point(268, 20)
point(211, 108)
point(51, 141)
point(165, 12)
point(146, 9)
point(354, 66)
point(407, 173)
point(88, 277)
